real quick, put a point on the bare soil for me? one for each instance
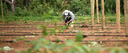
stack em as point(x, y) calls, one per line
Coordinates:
point(23, 45)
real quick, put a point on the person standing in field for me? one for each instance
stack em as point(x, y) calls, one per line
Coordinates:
point(68, 17)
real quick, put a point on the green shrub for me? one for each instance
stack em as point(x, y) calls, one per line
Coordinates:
point(17, 11)
point(80, 7)
point(112, 19)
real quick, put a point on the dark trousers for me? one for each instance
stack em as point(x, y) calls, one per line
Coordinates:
point(68, 19)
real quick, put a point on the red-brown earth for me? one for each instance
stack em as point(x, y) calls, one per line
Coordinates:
point(18, 29)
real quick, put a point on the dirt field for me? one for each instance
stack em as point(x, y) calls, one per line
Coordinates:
point(9, 32)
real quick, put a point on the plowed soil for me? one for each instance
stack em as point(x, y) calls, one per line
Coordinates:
point(11, 31)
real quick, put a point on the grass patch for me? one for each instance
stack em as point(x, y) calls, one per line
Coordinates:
point(109, 18)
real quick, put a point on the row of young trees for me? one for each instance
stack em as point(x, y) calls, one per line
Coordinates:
point(117, 15)
point(79, 7)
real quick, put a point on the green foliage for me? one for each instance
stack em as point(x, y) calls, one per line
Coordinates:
point(62, 28)
point(79, 36)
point(71, 46)
point(24, 12)
point(20, 12)
point(39, 7)
point(20, 38)
point(5, 8)
point(52, 9)
point(122, 19)
point(110, 6)
point(57, 40)
point(44, 31)
point(0, 8)
point(117, 50)
point(112, 19)
point(78, 7)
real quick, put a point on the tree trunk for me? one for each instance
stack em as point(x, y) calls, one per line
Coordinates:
point(118, 15)
point(97, 9)
point(2, 12)
point(92, 12)
point(102, 11)
point(11, 4)
point(27, 3)
point(12, 7)
point(126, 17)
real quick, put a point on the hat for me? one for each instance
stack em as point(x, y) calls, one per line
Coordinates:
point(66, 12)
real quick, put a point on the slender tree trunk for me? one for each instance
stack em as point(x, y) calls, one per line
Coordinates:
point(102, 11)
point(11, 4)
point(2, 12)
point(27, 3)
point(12, 7)
point(126, 17)
point(92, 12)
point(118, 15)
point(124, 8)
point(97, 9)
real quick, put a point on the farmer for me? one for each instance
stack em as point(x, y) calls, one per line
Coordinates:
point(68, 17)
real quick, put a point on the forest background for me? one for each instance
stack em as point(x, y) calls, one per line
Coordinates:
point(38, 10)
